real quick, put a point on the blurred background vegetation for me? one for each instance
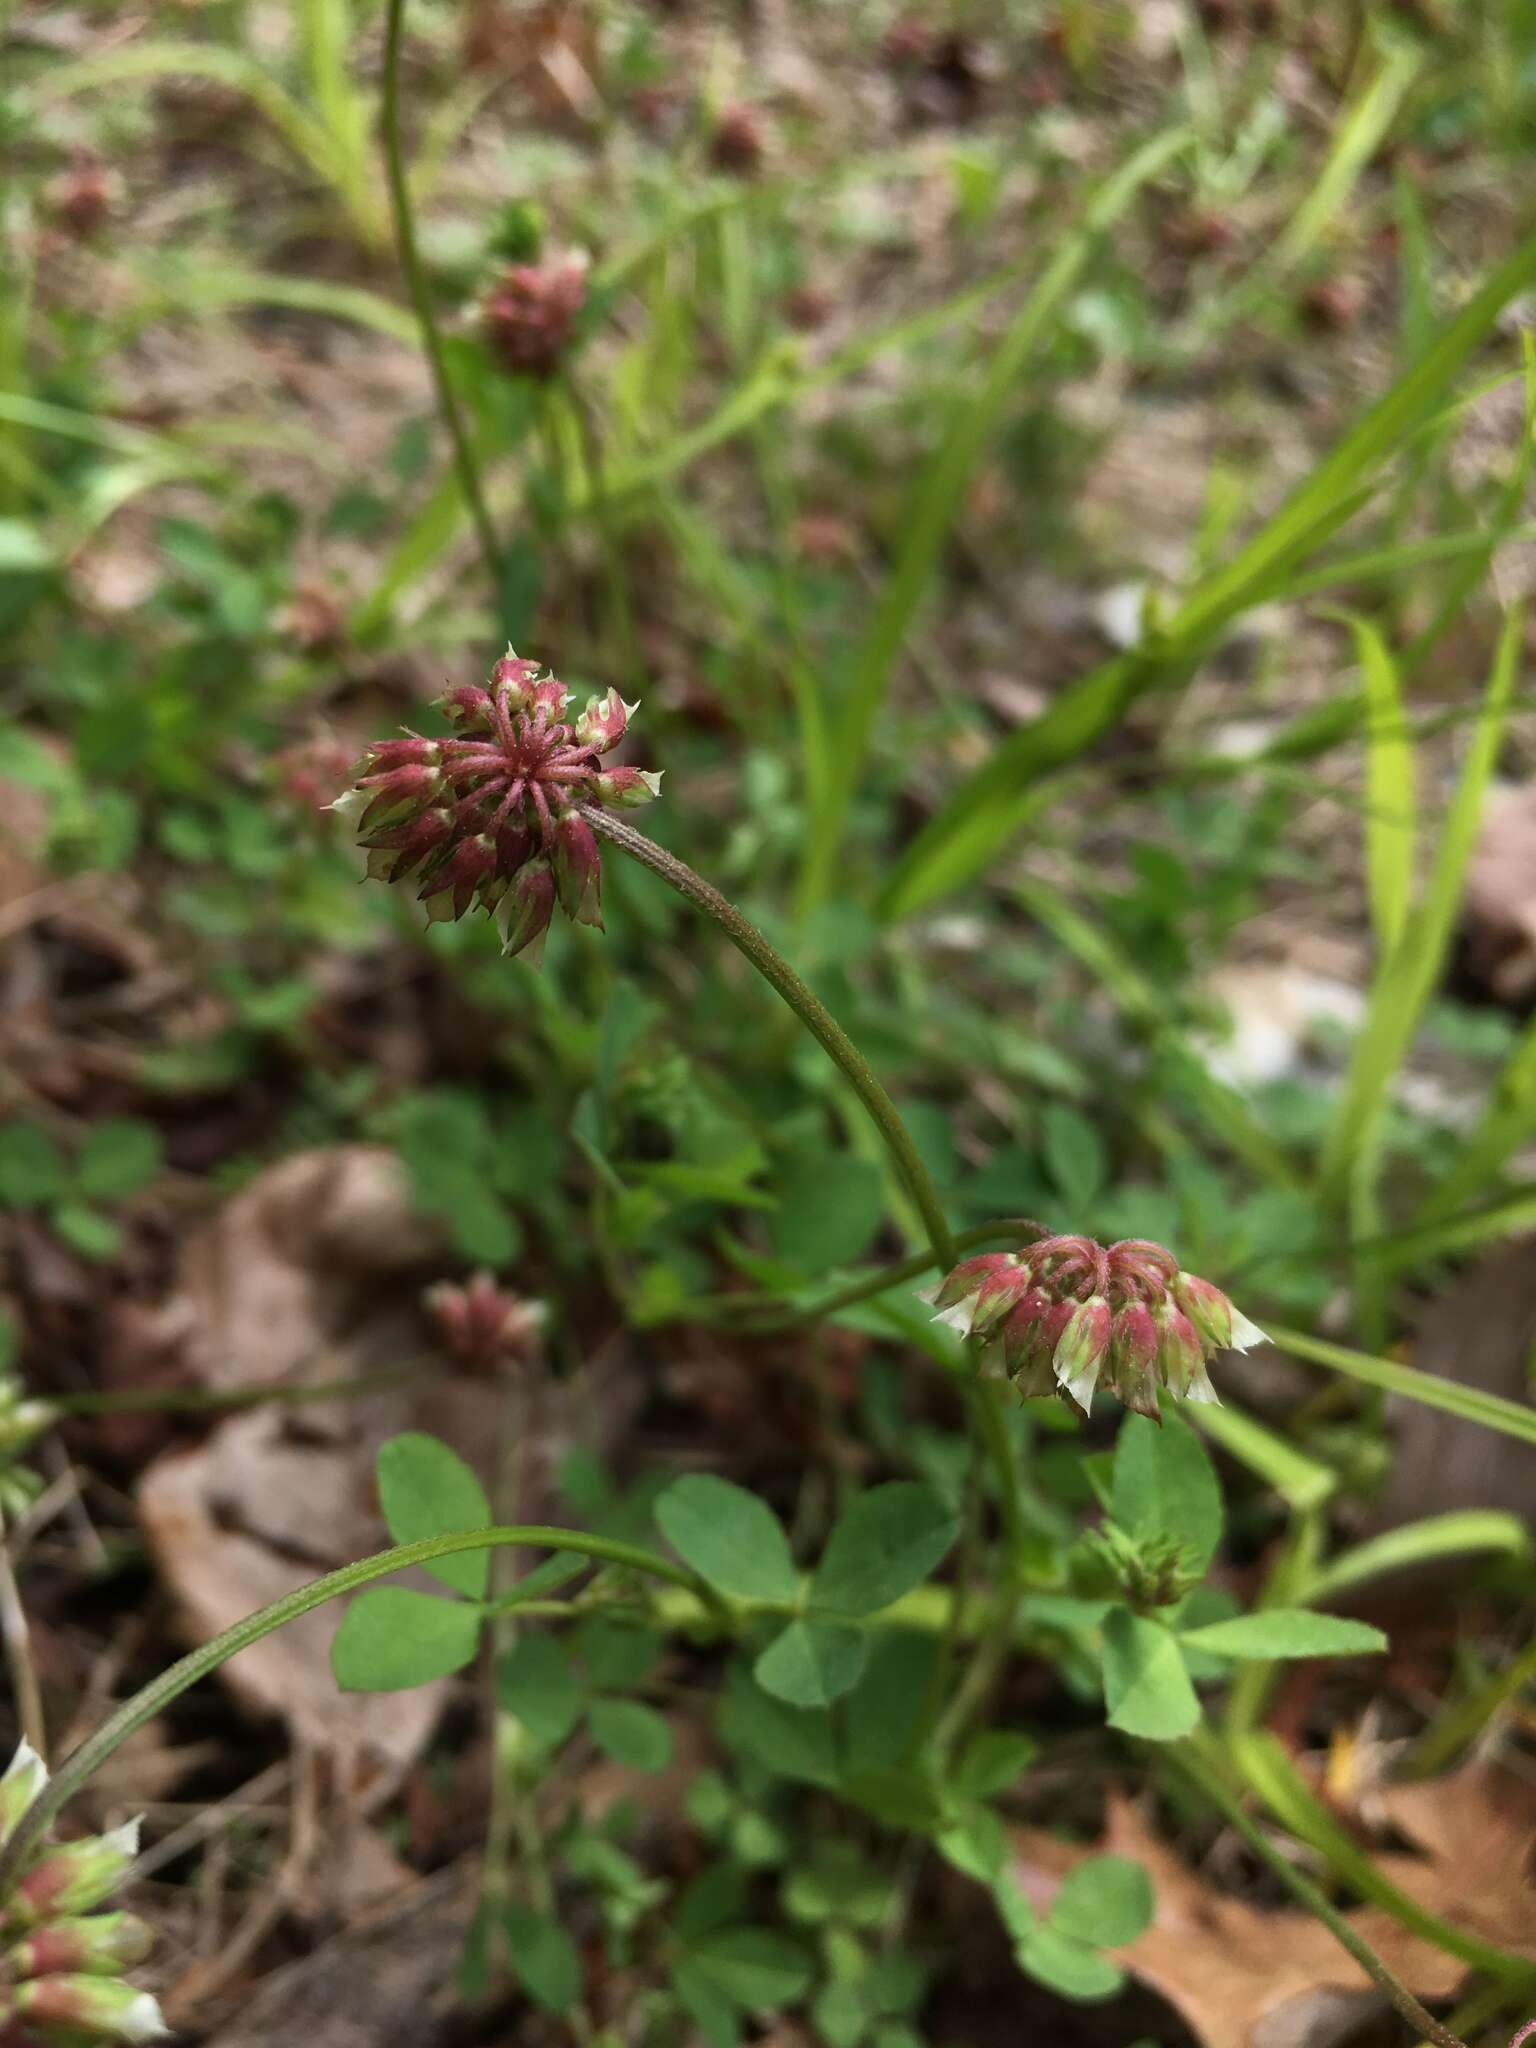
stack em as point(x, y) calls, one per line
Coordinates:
point(1055, 478)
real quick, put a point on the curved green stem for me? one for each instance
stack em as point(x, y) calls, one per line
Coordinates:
point(421, 298)
point(987, 1420)
point(872, 1283)
point(198, 1663)
point(1208, 1783)
point(812, 1012)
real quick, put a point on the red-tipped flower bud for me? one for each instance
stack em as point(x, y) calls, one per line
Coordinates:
point(103, 1943)
point(602, 725)
point(526, 910)
point(452, 885)
point(1081, 1348)
point(626, 788)
point(483, 1323)
point(103, 2008)
point(74, 1876)
point(578, 870)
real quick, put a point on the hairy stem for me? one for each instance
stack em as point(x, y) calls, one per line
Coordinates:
point(421, 299)
point(812, 1012)
point(1209, 1784)
point(198, 1663)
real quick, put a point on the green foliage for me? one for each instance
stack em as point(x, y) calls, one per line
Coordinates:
point(801, 550)
point(113, 1161)
point(729, 1536)
point(426, 1489)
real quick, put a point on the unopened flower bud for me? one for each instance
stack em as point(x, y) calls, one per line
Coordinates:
point(395, 851)
point(1080, 1350)
point(102, 1943)
point(467, 703)
point(483, 1323)
point(1181, 1355)
point(410, 787)
point(71, 1877)
point(526, 910)
point(513, 681)
point(626, 788)
point(410, 752)
point(602, 725)
point(450, 888)
point(104, 2008)
point(979, 1293)
point(578, 870)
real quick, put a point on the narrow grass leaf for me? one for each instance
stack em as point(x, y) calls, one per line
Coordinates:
point(1509, 1418)
point(990, 804)
point(1461, 1533)
point(1408, 977)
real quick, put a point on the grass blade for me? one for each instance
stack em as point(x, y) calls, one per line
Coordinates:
point(1457, 1534)
point(1492, 1411)
point(979, 816)
point(937, 498)
point(1391, 816)
point(1408, 978)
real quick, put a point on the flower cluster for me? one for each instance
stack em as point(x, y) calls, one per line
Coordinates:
point(529, 314)
point(61, 1962)
point(1064, 1315)
point(490, 816)
point(482, 1323)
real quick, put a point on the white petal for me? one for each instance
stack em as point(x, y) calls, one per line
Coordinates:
point(1244, 1334)
point(125, 1840)
point(143, 2021)
point(960, 1317)
point(26, 1763)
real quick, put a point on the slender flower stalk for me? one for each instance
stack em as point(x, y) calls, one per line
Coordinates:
point(20, 1837)
point(812, 1012)
point(421, 298)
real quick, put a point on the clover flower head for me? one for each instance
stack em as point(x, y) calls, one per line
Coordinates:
point(529, 315)
point(490, 817)
point(483, 1323)
point(61, 1961)
point(1065, 1316)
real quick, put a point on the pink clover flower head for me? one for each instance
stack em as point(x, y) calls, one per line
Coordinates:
point(529, 315)
point(489, 817)
point(61, 1960)
point(1066, 1316)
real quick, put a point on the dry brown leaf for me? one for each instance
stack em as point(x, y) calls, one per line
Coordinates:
point(1242, 1977)
point(291, 1282)
point(313, 1274)
point(390, 1984)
